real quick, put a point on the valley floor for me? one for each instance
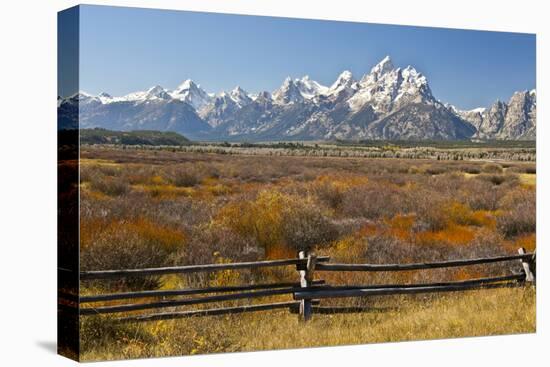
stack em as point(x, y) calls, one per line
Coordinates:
point(142, 208)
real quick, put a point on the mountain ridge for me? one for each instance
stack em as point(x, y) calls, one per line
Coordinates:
point(388, 103)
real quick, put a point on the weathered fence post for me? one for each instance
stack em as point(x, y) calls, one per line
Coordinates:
point(306, 278)
point(529, 275)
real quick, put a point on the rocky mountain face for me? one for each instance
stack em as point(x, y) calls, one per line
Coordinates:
point(389, 103)
point(513, 120)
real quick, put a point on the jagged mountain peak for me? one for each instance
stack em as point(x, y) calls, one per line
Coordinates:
point(240, 96)
point(263, 96)
point(239, 92)
point(309, 88)
point(345, 78)
point(186, 84)
point(386, 88)
point(190, 92)
point(288, 93)
point(157, 92)
point(385, 65)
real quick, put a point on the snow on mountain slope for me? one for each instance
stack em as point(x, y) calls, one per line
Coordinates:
point(387, 87)
point(386, 103)
point(191, 93)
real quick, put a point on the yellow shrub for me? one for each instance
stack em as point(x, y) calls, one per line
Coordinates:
point(280, 223)
point(458, 213)
point(157, 180)
point(349, 248)
point(260, 219)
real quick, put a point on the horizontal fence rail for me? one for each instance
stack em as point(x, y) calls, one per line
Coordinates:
point(112, 274)
point(419, 266)
point(213, 312)
point(186, 292)
point(364, 292)
point(306, 293)
point(189, 301)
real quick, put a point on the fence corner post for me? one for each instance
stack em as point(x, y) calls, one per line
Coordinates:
point(306, 278)
point(527, 264)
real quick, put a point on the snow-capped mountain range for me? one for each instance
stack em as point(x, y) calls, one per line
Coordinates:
point(389, 103)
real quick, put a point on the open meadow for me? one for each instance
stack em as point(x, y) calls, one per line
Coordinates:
point(143, 208)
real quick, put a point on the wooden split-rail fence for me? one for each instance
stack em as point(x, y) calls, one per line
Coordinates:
point(307, 293)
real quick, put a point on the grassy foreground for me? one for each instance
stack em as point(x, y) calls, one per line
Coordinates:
point(474, 313)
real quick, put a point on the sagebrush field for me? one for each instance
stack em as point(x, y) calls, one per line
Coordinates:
point(156, 207)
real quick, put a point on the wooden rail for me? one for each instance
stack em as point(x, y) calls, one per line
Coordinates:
point(306, 293)
point(186, 302)
point(212, 312)
point(292, 306)
point(420, 266)
point(113, 274)
point(363, 292)
point(186, 292)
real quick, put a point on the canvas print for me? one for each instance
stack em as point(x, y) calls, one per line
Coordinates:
point(234, 183)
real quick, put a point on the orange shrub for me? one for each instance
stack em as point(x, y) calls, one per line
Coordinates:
point(401, 226)
point(528, 242)
point(369, 229)
point(128, 244)
point(466, 273)
point(454, 234)
point(483, 218)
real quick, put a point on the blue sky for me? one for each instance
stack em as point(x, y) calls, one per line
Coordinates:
point(128, 49)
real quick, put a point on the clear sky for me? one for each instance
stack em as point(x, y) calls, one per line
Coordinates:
point(124, 50)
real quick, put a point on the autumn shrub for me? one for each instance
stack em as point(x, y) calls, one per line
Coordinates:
point(491, 168)
point(209, 240)
point(528, 242)
point(372, 201)
point(88, 172)
point(453, 234)
point(275, 219)
point(330, 189)
point(471, 169)
point(125, 244)
point(305, 225)
point(329, 193)
point(528, 169)
point(110, 185)
point(401, 226)
point(427, 206)
point(481, 194)
point(435, 170)
point(518, 213)
point(184, 177)
point(348, 248)
point(141, 174)
point(106, 169)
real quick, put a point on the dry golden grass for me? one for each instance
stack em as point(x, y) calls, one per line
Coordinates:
point(474, 313)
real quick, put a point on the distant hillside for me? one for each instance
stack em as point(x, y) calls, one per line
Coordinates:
point(142, 137)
